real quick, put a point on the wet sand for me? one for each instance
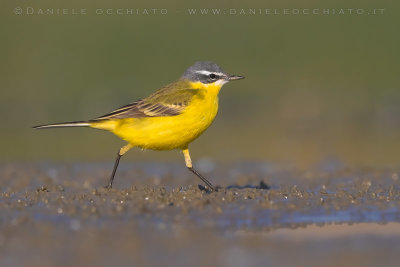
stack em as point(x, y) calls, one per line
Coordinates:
point(264, 214)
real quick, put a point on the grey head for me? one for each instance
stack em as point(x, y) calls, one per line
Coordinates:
point(208, 72)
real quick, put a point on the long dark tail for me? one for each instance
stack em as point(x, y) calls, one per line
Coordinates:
point(63, 124)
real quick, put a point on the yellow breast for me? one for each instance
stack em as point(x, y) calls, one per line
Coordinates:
point(170, 132)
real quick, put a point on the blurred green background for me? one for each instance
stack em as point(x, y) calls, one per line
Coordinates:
point(316, 86)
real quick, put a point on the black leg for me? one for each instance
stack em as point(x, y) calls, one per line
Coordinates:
point(109, 186)
point(202, 178)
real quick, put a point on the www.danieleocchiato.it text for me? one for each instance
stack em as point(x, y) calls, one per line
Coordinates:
point(286, 11)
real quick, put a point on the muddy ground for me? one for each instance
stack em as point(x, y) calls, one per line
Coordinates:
point(263, 215)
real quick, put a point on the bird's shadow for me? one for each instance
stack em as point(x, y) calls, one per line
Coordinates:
point(261, 186)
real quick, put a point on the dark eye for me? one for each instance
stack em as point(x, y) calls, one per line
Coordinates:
point(212, 76)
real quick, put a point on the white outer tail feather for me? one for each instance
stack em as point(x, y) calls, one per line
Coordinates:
point(64, 124)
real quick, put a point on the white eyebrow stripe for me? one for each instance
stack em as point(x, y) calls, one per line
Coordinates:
point(206, 72)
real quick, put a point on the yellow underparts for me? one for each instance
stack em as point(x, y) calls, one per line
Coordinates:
point(168, 132)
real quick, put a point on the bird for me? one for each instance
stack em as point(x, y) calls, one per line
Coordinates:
point(168, 119)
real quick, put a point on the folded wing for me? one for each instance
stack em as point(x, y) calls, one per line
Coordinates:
point(168, 101)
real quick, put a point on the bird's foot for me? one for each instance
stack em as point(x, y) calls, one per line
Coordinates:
point(209, 189)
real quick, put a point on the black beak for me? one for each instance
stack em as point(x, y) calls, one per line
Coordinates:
point(234, 77)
